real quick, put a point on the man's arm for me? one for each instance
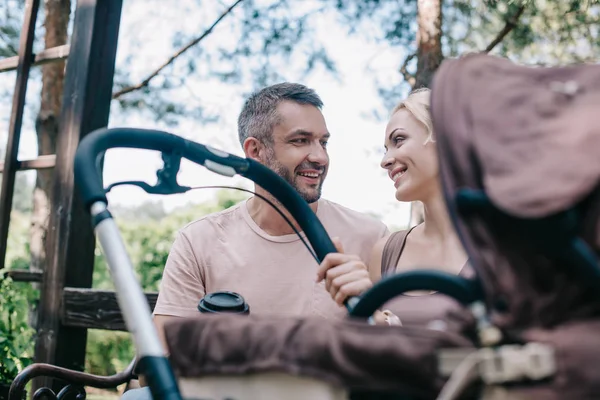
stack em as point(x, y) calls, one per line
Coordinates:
point(159, 323)
point(182, 284)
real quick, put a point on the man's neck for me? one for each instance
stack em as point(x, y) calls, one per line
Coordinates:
point(268, 219)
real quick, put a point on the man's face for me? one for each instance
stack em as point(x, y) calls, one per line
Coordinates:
point(298, 152)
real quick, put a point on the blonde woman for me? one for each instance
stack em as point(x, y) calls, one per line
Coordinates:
point(412, 166)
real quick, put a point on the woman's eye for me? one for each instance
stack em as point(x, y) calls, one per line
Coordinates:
point(399, 139)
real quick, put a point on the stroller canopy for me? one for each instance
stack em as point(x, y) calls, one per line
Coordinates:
point(519, 149)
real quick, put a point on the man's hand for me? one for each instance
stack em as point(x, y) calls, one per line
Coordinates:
point(345, 275)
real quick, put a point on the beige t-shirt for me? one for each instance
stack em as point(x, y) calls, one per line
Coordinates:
point(275, 274)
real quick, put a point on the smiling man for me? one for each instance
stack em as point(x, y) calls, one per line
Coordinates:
point(249, 248)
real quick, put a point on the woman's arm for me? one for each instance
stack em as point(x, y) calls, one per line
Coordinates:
point(375, 260)
point(385, 317)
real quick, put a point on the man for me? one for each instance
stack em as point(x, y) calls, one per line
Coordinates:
point(249, 248)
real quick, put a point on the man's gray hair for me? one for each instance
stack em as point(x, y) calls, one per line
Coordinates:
point(259, 115)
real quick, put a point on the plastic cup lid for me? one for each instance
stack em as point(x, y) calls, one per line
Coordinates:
point(223, 302)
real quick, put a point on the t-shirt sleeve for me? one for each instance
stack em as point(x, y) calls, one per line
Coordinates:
point(383, 231)
point(372, 231)
point(182, 285)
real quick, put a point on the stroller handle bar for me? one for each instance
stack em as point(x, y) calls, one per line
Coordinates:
point(137, 314)
point(89, 179)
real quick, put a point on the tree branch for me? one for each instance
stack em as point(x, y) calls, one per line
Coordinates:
point(179, 52)
point(511, 23)
point(410, 78)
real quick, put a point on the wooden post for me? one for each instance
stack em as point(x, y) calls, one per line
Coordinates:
point(70, 242)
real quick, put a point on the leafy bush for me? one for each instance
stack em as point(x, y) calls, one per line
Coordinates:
point(16, 345)
point(108, 352)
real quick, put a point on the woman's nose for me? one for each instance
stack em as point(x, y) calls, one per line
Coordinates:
point(387, 161)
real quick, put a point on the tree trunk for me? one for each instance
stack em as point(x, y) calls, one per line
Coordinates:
point(429, 58)
point(56, 23)
point(429, 41)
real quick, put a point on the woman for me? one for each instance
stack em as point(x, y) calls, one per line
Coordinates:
point(412, 165)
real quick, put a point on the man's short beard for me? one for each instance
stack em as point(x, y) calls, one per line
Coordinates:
point(290, 177)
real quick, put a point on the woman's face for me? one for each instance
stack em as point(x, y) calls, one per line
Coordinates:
point(411, 164)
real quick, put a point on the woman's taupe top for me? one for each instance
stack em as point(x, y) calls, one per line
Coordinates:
point(413, 309)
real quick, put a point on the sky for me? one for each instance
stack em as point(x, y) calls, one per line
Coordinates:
point(355, 177)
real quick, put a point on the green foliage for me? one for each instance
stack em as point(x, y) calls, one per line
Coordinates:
point(265, 37)
point(17, 250)
point(548, 32)
point(274, 40)
point(108, 352)
point(16, 335)
point(10, 27)
point(16, 349)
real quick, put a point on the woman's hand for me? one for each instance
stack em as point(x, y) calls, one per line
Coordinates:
point(345, 275)
point(385, 317)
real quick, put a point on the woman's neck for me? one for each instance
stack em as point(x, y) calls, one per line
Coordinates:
point(440, 235)
point(436, 220)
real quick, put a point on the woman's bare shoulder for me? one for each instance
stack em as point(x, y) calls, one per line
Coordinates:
point(377, 255)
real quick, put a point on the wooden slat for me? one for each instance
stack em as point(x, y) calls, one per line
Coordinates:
point(16, 120)
point(42, 162)
point(25, 275)
point(95, 309)
point(45, 56)
point(70, 243)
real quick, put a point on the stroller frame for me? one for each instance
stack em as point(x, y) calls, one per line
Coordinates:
point(495, 358)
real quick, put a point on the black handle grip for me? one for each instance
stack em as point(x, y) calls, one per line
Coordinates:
point(463, 290)
point(89, 179)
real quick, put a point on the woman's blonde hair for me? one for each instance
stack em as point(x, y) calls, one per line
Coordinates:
point(417, 103)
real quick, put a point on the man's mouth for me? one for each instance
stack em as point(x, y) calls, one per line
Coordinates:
point(311, 177)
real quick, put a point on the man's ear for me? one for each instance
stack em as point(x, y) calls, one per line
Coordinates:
point(254, 149)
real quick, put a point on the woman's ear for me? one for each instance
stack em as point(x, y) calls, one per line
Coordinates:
point(253, 149)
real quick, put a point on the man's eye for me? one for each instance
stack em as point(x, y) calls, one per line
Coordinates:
point(299, 141)
point(324, 143)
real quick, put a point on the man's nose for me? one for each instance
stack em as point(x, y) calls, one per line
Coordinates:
point(318, 154)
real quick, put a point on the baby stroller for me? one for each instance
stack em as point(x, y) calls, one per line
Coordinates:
point(522, 183)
